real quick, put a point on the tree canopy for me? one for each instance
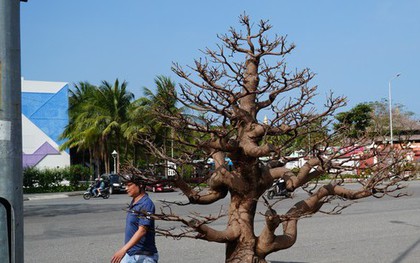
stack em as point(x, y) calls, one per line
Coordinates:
point(356, 121)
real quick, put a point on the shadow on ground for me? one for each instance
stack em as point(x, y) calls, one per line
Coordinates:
point(65, 210)
point(407, 252)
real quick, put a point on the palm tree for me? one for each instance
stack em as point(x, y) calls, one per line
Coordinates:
point(137, 127)
point(164, 100)
point(97, 114)
point(75, 132)
point(82, 91)
point(165, 96)
point(109, 108)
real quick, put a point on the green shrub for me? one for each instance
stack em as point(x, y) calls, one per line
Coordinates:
point(187, 171)
point(76, 173)
point(30, 176)
point(50, 177)
point(37, 180)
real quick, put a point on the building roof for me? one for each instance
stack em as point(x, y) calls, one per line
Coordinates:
point(42, 86)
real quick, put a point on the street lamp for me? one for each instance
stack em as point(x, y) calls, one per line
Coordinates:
point(390, 109)
point(114, 155)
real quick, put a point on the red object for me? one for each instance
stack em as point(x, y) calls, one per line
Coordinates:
point(160, 187)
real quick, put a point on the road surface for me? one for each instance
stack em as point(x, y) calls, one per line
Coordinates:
point(373, 230)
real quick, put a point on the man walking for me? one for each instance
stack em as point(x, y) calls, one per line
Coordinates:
point(139, 244)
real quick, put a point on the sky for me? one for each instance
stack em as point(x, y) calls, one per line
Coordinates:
point(356, 48)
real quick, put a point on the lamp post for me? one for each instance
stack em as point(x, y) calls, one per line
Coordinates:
point(390, 109)
point(114, 155)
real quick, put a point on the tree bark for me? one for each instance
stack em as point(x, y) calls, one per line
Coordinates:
point(241, 217)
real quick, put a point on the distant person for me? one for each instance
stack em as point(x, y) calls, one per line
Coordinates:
point(101, 186)
point(96, 186)
point(140, 246)
point(92, 188)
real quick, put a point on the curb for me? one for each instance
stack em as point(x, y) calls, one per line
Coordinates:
point(29, 197)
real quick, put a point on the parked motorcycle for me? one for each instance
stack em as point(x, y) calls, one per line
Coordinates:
point(89, 193)
point(278, 189)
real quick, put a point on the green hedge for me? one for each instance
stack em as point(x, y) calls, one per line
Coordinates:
point(49, 179)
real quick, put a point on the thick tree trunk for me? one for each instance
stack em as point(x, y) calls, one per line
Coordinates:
point(242, 255)
point(241, 216)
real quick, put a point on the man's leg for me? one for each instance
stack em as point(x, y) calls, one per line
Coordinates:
point(129, 259)
point(148, 259)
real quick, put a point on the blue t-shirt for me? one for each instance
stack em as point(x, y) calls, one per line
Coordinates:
point(136, 217)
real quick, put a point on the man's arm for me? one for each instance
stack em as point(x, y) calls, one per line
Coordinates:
point(117, 257)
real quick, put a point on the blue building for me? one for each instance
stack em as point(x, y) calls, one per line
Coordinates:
point(44, 117)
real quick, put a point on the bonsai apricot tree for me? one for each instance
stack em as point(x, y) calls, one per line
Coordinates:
point(228, 93)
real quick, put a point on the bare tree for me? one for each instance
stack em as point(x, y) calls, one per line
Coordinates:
point(228, 93)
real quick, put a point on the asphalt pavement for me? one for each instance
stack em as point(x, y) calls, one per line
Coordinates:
point(373, 230)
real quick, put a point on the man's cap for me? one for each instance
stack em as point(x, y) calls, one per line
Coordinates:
point(132, 178)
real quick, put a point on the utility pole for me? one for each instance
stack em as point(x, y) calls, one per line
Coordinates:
point(11, 194)
point(390, 110)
